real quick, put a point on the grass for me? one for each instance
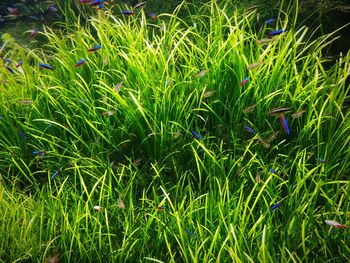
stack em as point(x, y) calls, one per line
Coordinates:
point(135, 146)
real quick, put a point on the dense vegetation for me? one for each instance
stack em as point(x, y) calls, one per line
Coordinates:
point(163, 143)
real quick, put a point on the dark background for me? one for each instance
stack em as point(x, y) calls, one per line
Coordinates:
point(323, 15)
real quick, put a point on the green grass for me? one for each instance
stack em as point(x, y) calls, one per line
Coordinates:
point(145, 154)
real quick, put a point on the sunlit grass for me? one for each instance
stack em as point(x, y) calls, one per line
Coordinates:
point(135, 146)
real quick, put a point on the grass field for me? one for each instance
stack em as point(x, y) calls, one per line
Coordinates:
point(154, 150)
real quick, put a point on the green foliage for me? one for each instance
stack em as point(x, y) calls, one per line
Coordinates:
point(135, 145)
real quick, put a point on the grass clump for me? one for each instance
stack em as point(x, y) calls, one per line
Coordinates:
point(159, 194)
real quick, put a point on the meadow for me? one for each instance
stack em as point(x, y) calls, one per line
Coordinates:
point(152, 138)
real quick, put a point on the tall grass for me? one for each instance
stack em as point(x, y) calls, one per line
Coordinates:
point(136, 145)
